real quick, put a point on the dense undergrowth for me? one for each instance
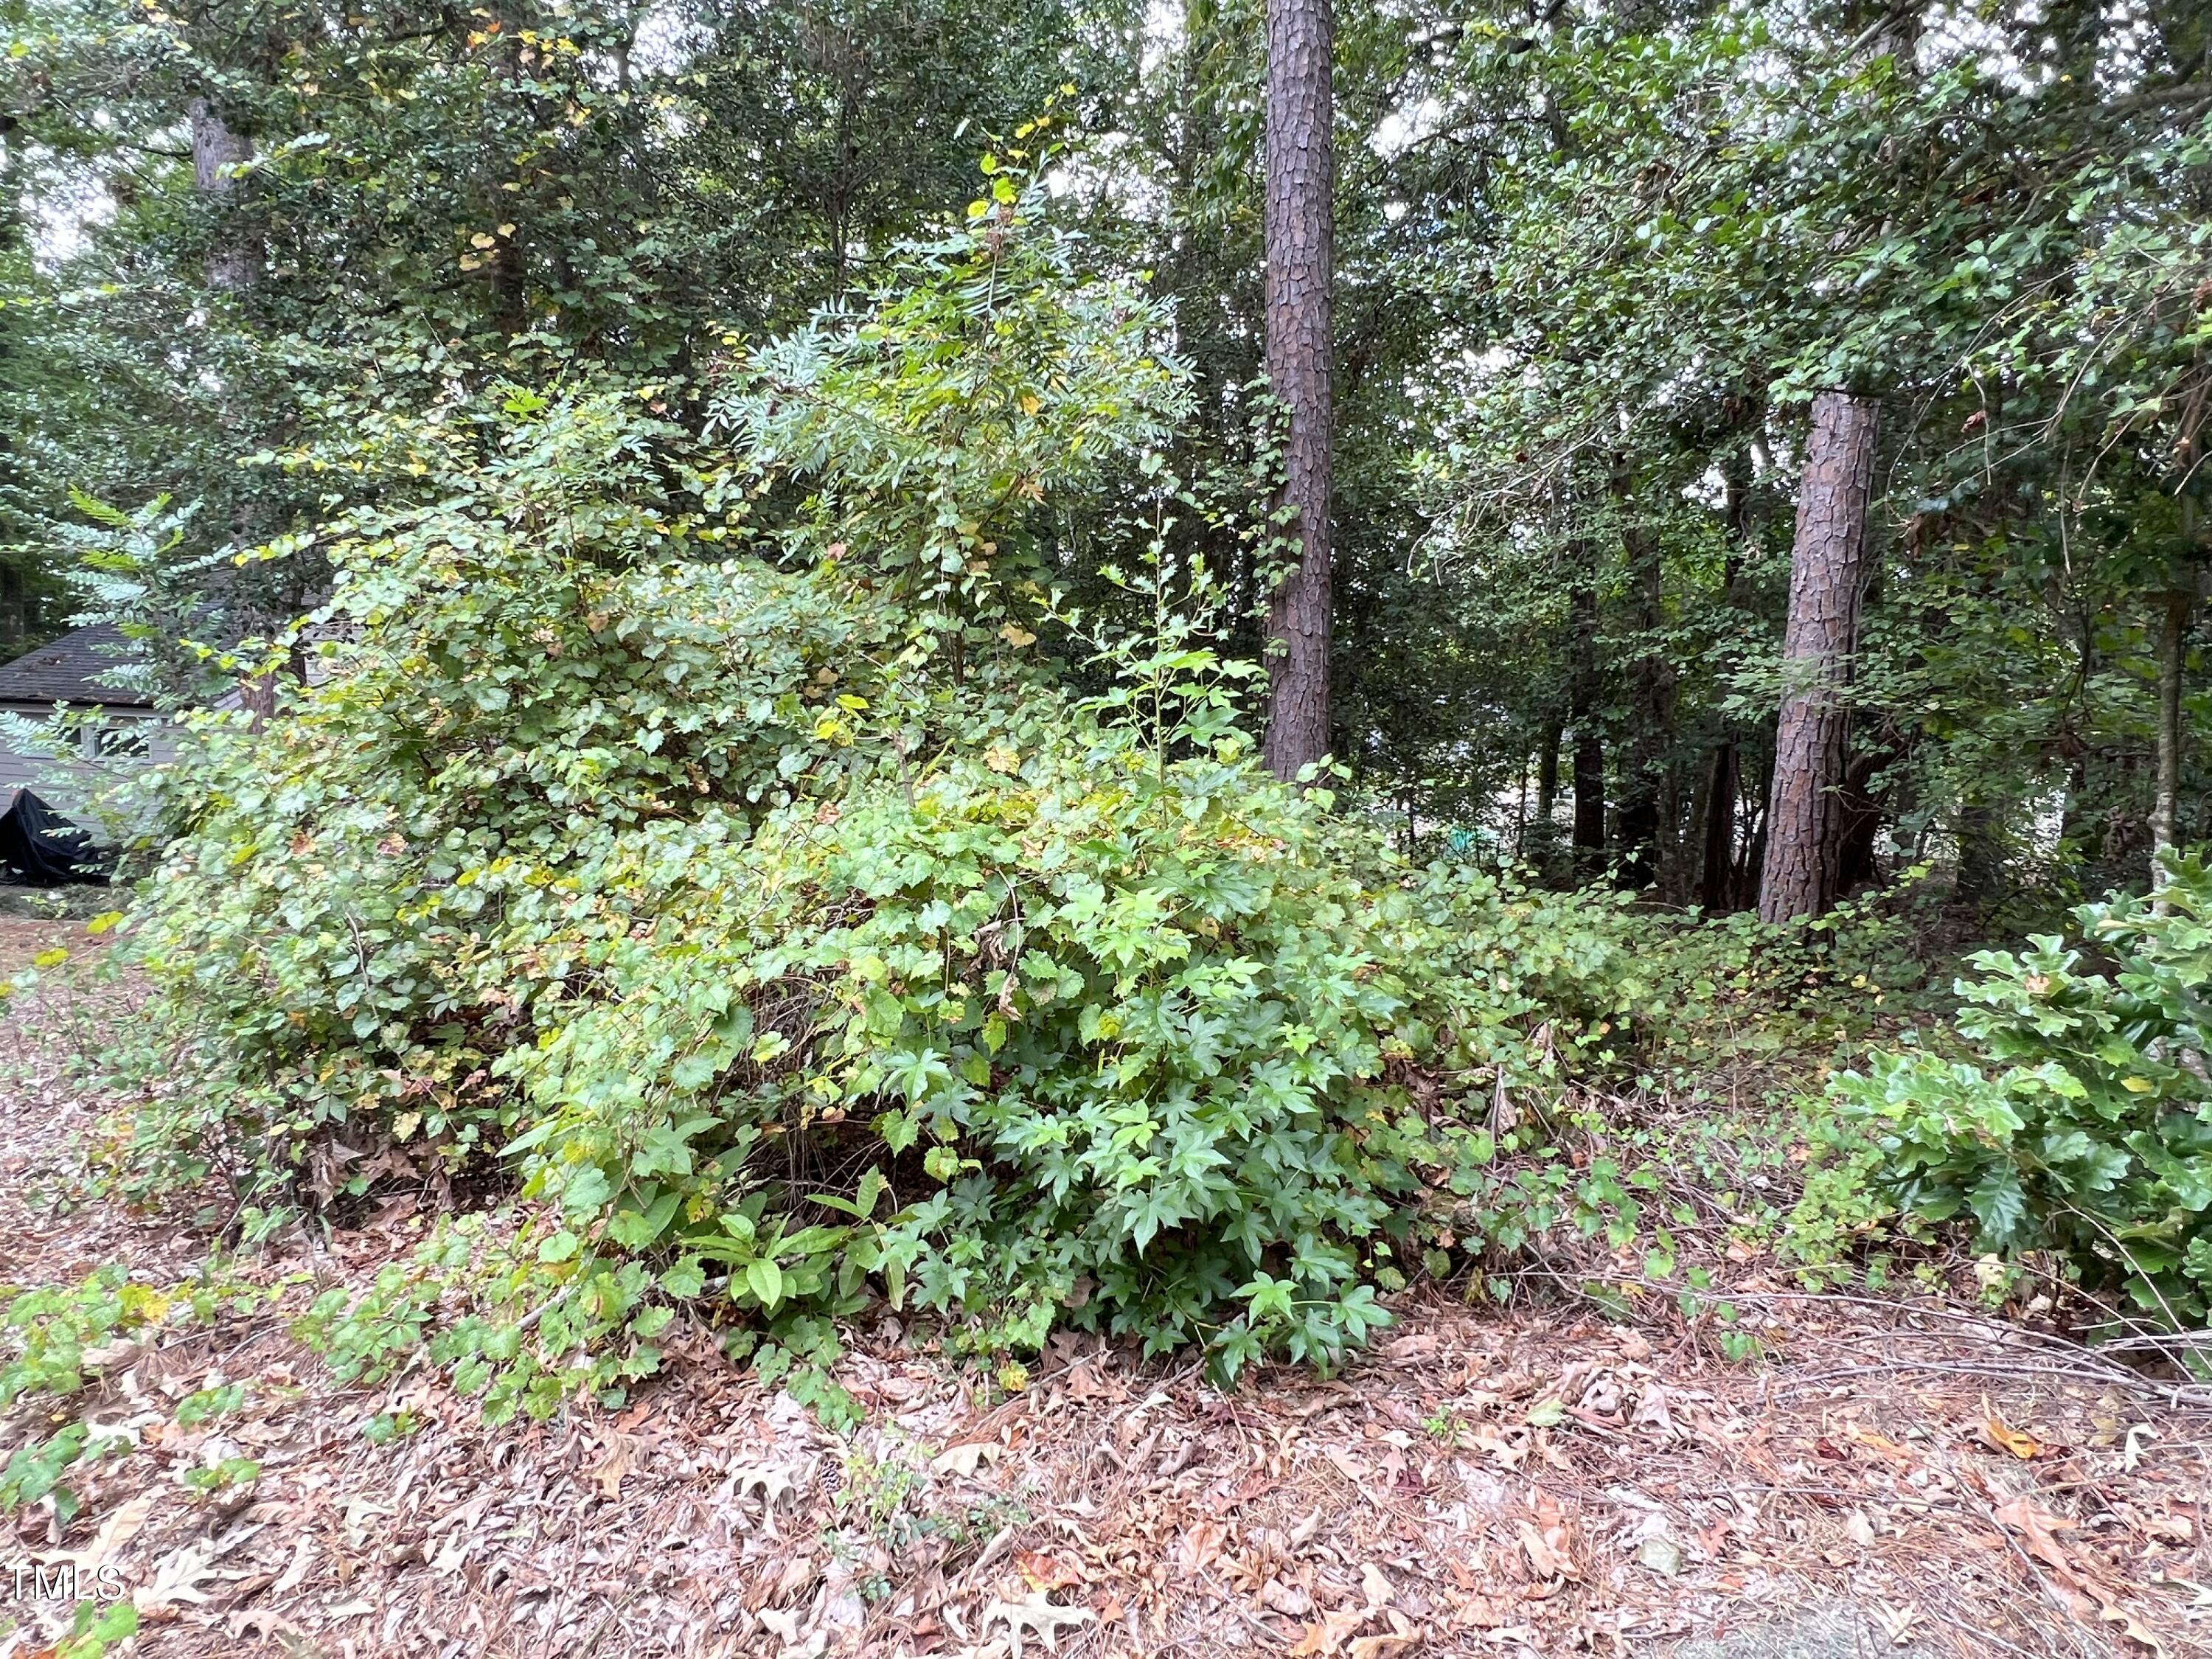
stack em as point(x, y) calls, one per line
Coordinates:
point(2070, 1112)
point(692, 866)
point(699, 848)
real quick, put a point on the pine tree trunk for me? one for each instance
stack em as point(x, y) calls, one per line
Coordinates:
point(1300, 230)
point(1827, 563)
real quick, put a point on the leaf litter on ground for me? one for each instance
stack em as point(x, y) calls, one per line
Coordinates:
point(1528, 1479)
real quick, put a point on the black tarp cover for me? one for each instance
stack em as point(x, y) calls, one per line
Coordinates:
point(41, 847)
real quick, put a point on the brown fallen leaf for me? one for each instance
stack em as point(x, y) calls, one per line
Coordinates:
point(1883, 1446)
point(1289, 1600)
point(178, 1575)
point(1549, 1543)
point(619, 1458)
point(1509, 1448)
point(1401, 1635)
point(1201, 1545)
point(266, 1624)
point(963, 1459)
point(2173, 1528)
point(1346, 1465)
point(1047, 1572)
point(797, 1574)
point(1544, 1556)
point(117, 1530)
point(1381, 1647)
point(295, 1570)
point(1330, 1635)
point(2037, 1527)
point(1378, 1589)
point(2113, 1613)
point(1036, 1615)
point(1483, 1612)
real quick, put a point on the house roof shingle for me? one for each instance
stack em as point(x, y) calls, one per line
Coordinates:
point(65, 671)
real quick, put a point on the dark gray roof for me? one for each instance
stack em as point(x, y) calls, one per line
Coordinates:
point(63, 671)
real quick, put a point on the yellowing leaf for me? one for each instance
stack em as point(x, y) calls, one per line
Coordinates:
point(2006, 1439)
point(1048, 1572)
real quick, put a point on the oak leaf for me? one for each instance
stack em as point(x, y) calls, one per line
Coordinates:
point(1035, 1613)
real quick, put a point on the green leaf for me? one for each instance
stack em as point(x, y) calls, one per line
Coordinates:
point(765, 1280)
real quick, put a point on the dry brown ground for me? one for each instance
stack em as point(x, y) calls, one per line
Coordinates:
point(1535, 1480)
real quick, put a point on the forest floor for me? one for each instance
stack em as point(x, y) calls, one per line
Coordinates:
point(1889, 1476)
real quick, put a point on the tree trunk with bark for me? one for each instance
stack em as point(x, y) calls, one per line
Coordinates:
point(1717, 887)
point(13, 624)
point(1859, 821)
point(1300, 234)
point(231, 266)
point(1547, 773)
point(1827, 565)
point(2178, 610)
point(1589, 838)
point(1755, 783)
point(1716, 864)
point(1646, 818)
point(1539, 844)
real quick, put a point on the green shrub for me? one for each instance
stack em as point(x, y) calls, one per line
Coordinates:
point(2082, 1125)
point(1103, 1038)
point(699, 837)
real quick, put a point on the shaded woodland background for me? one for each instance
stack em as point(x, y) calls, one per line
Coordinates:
point(1592, 263)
